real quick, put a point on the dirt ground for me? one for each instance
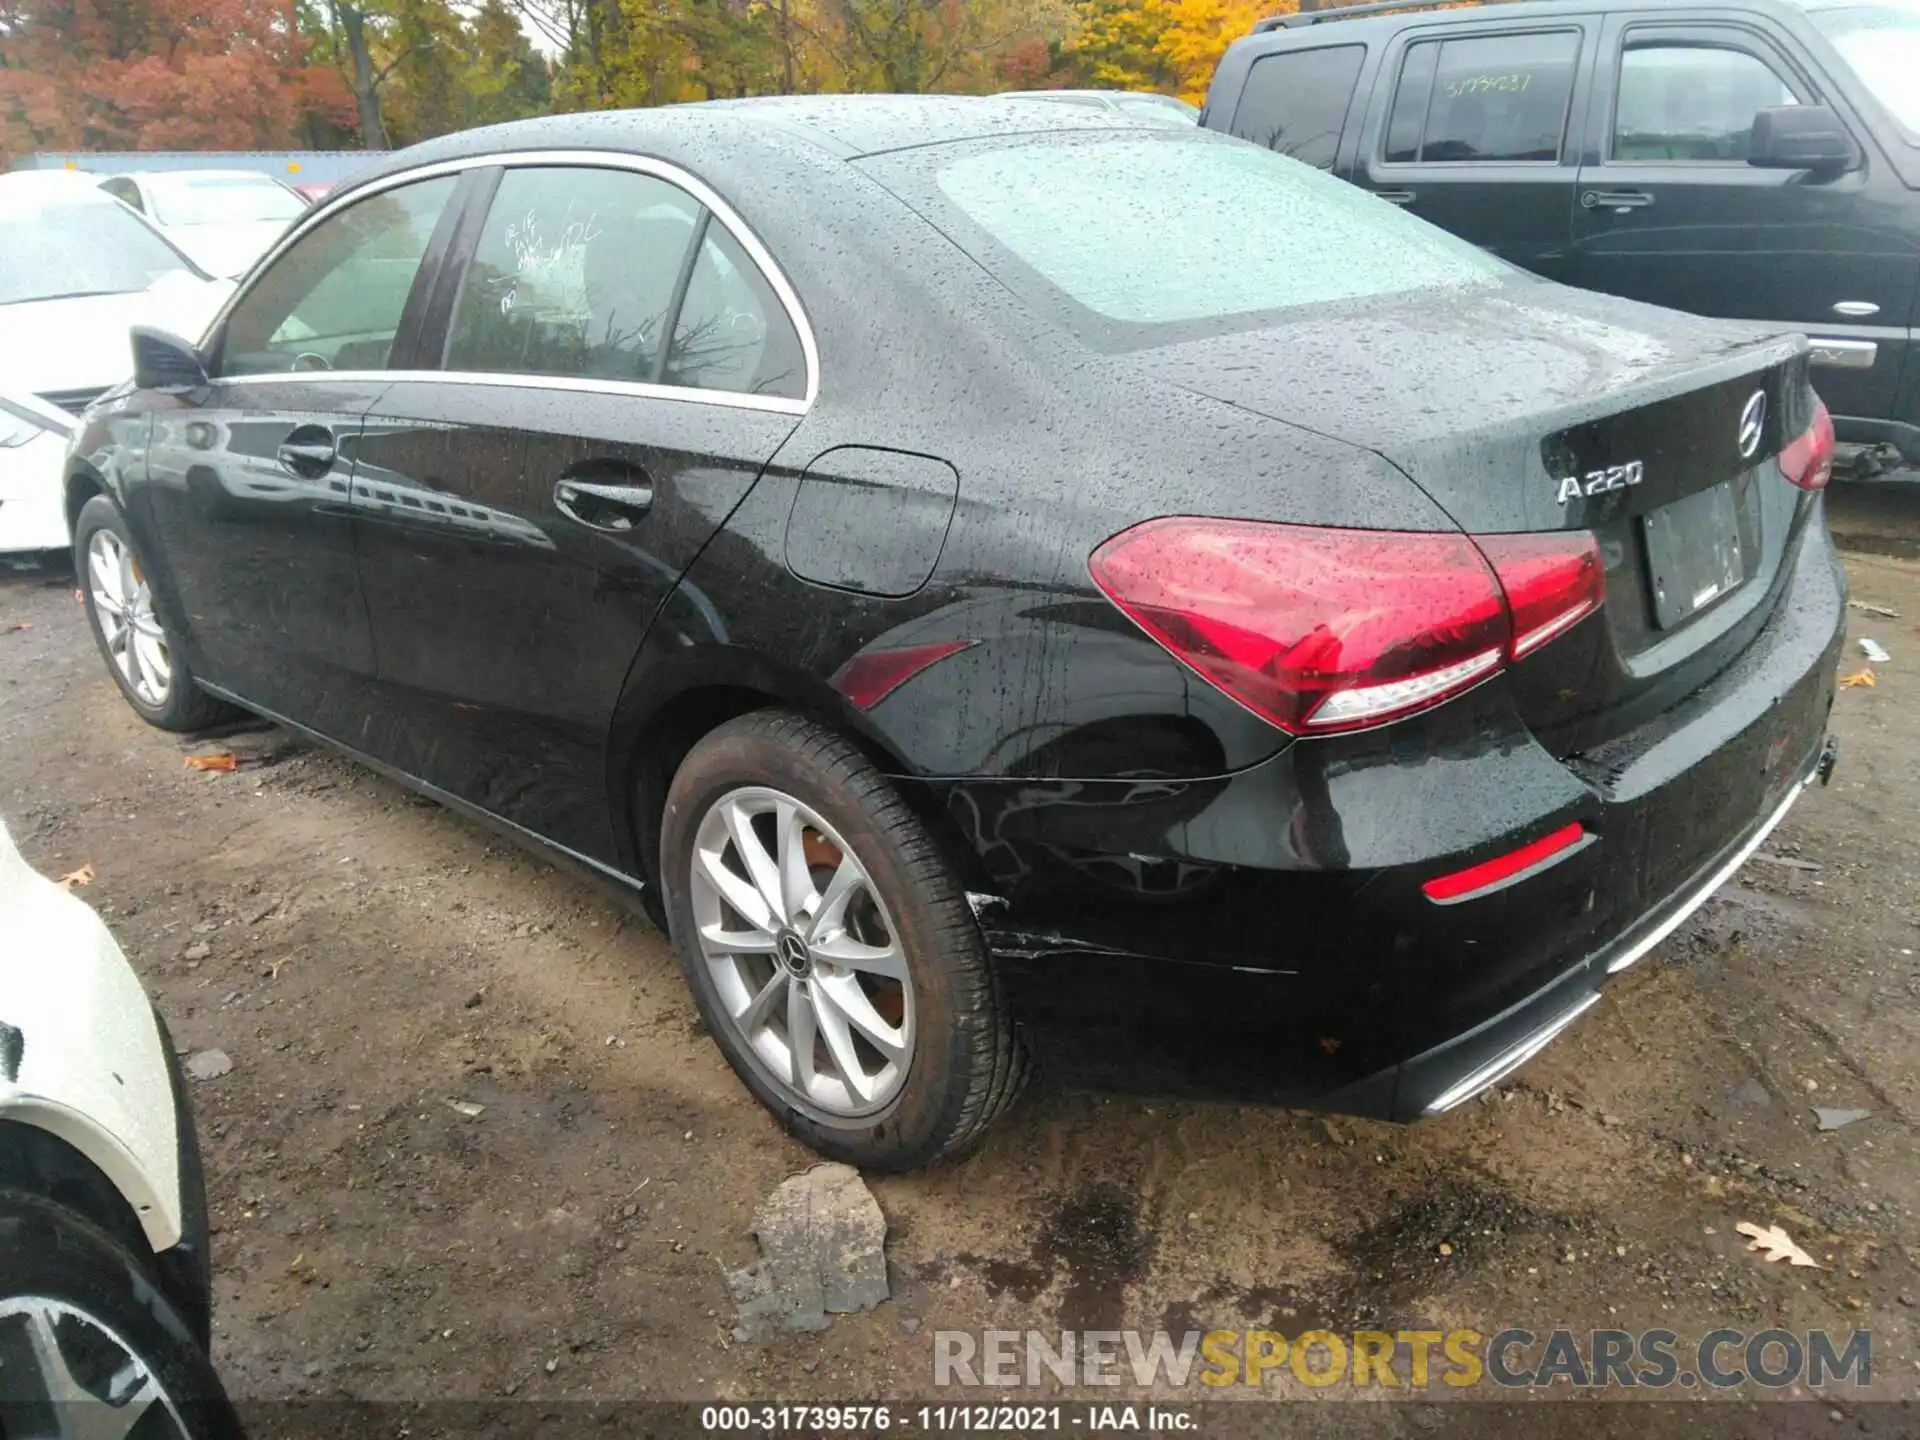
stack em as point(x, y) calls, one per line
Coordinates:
point(367, 957)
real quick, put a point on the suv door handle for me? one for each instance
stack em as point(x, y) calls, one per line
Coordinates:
point(613, 508)
point(1616, 200)
point(1396, 197)
point(308, 451)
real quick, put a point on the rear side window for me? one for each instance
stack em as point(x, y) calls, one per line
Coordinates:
point(573, 276)
point(1488, 98)
point(1295, 103)
point(579, 271)
point(732, 333)
point(1692, 103)
point(1151, 231)
point(334, 300)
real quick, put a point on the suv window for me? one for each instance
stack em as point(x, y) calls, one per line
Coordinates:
point(1691, 102)
point(1296, 102)
point(732, 332)
point(573, 275)
point(1485, 98)
point(334, 300)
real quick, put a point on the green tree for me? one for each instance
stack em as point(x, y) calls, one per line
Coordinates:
point(505, 77)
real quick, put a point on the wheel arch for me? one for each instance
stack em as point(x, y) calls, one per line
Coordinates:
point(82, 484)
point(53, 1167)
point(673, 701)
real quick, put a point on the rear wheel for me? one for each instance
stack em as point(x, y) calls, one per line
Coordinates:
point(140, 654)
point(830, 947)
point(88, 1344)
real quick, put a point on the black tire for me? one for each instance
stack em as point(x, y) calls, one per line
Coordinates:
point(186, 707)
point(49, 1253)
point(966, 1063)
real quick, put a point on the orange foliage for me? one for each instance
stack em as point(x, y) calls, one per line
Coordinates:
point(158, 75)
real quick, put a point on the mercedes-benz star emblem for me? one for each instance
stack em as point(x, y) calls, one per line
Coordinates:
point(1753, 425)
point(793, 953)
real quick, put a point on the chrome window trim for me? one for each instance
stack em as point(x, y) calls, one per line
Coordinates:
point(558, 159)
point(633, 389)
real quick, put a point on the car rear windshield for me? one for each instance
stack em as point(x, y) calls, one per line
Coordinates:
point(218, 199)
point(1882, 44)
point(1155, 230)
point(62, 250)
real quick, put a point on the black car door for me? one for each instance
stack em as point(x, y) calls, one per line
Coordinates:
point(247, 485)
point(1469, 129)
point(611, 368)
point(1670, 211)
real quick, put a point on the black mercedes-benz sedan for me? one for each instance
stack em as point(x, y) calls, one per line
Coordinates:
point(981, 571)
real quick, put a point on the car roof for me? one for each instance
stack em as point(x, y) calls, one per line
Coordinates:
point(838, 126)
point(1358, 20)
point(22, 189)
point(149, 176)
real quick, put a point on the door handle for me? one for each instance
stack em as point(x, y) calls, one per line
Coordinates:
point(1396, 197)
point(613, 508)
point(1619, 201)
point(308, 451)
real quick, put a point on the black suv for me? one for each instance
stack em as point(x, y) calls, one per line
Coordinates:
point(1751, 159)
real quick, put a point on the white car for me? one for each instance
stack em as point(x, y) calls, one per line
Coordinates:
point(1140, 104)
point(78, 271)
point(224, 219)
point(105, 1291)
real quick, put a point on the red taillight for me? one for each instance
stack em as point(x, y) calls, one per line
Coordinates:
point(1552, 582)
point(1321, 630)
point(871, 676)
point(1808, 461)
point(1491, 874)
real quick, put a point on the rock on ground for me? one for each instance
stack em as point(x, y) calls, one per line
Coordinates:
point(823, 1240)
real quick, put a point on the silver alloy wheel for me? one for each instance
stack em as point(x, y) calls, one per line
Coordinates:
point(123, 601)
point(805, 960)
point(92, 1384)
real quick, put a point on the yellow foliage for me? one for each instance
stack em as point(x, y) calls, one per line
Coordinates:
point(1198, 33)
point(1167, 45)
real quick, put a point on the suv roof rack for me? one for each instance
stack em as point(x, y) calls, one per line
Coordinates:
point(1344, 12)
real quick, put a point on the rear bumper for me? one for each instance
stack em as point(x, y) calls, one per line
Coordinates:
point(1264, 935)
point(1455, 1071)
point(1900, 434)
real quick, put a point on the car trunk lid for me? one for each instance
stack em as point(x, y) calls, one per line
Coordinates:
point(1526, 407)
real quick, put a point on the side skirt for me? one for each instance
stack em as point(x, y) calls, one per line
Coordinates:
point(623, 889)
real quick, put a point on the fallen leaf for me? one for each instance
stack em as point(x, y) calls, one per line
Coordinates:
point(1859, 680)
point(219, 763)
point(82, 876)
point(1775, 1244)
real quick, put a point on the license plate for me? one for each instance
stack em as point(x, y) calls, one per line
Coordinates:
point(1694, 555)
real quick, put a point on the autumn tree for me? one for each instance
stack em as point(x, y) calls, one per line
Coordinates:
point(156, 75)
point(505, 78)
point(1167, 45)
point(423, 44)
